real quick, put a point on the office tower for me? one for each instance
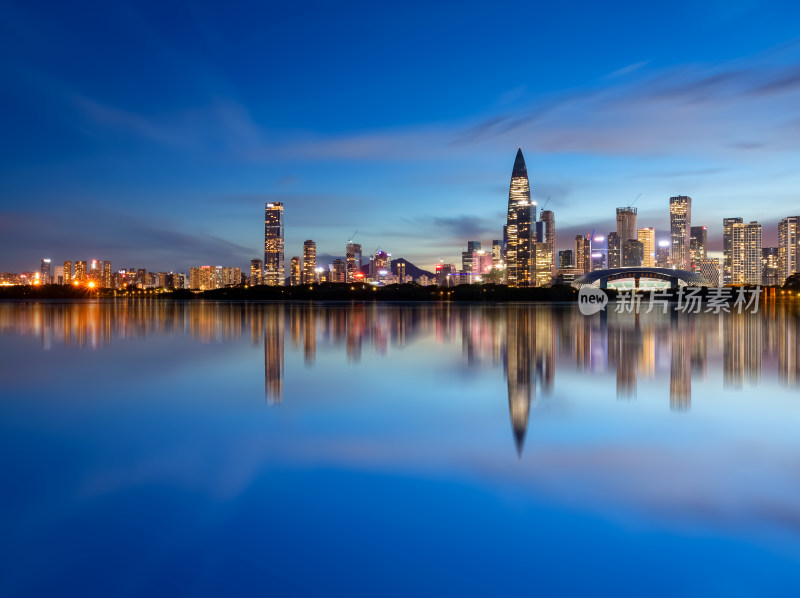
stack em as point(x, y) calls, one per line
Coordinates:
point(107, 274)
point(788, 247)
point(401, 271)
point(680, 222)
point(379, 262)
point(274, 274)
point(647, 237)
point(295, 271)
point(310, 261)
point(746, 254)
point(566, 259)
point(542, 264)
point(662, 255)
point(353, 257)
point(583, 253)
point(96, 271)
point(58, 275)
point(770, 267)
point(44, 271)
point(632, 253)
point(614, 250)
point(497, 252)
point(338, 272)
point(709, 269)
point(626, 224)
point(467, 256)
point(727, 248)
point(162, 280)
point(141, 277)
point(67, 272)
point(256, 272)
point(697, 246)
point(549, 220)
point(518, 223)
point(80, 271)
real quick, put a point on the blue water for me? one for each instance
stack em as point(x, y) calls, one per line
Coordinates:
point(315, 450)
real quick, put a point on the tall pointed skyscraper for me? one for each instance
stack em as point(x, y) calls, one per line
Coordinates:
point(518, 250)
point(273, 244)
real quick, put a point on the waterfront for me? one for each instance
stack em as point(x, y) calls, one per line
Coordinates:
point(306, 449)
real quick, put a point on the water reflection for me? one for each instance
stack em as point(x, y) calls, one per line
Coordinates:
point(525, 340)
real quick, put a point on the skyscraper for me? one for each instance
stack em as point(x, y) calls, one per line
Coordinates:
point(680, 222)
point(353, 259)
point(626, 224)
point(256, 272)
point(746, 253)
point(549, 220)
point(614, 250)
point(338, 273)
point(497, 252)
point(542, 265)
point(583, 253)
point(468, 255)
point(295, 271)
point(566, 259)
point(518, 223)
point(44, 273)
point(727, 247)
point(80, 271)
point(310, 261)
point(788, 247)
point(632, 253)
point(274, 271)
point(67, 272)
point(647, 237)
point(770, 267)
point(698, 246)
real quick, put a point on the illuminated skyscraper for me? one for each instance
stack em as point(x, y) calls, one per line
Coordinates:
point(401, 271)
point(67, 272)
point(542, 265)
point(614, 250)
point(647, 237)
point(295, 271)
point(520, 216)
point(680, 223)
point(353, 259)
point(788, 247)
point(727, 248)
point(44, 273)
point(468, 255)
point(770, 267)
point(309, 262)
point(274, 271)
point(497, 252)
point(256, 272)
point(80, 271)
point(107, 274)
point(626, 224)
point(746, 253)
point(583, 253)
point(698, 241)
point(549, 220)
point(338, 273)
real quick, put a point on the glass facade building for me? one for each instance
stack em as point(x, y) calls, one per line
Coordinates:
point(518, 226)
point(274, 271)
point(680, 223)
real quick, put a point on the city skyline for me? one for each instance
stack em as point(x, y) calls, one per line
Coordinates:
point(714, 117)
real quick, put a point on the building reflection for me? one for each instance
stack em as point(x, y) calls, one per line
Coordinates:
point(524, 341)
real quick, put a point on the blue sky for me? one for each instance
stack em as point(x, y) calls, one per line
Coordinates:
point(151, 133)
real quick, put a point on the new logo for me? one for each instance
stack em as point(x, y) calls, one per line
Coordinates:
point(591, 300)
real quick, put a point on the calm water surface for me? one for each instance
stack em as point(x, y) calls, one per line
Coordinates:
point(262, 449)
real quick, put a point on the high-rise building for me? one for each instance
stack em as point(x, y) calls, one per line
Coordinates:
point(788, 247)
point(626, 224)
point(566, 259)
point(468, 255)
point(698, 245)
point(647, 237)
point(96, 271)
point(770, 267)
point(401, 271)
point(746, 254)
point(44, 272)
point(80, 271)
point(338, 271)
point(614, 250)
point(549, 220)
point(518, 223)
point(58, 275)
point(107, 274)
point(310, 261)
point(141, 277)
point(67, 272)
point(727, 248)
point(542, 264)
point(295, 271)
point(662, 255)
point(274, 271)
point(353, 258)
point(497, 252)
point(680, 223)
point(583, 253)
point(632, 253)
point(378, 264)
point(256, 272)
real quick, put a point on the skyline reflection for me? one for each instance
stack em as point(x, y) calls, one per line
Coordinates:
point(532, 343)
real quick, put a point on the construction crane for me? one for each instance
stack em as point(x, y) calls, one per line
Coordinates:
point(545, 203)
point(635, 200)
point(353, 236)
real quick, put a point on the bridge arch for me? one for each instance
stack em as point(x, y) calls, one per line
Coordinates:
point(675, 278)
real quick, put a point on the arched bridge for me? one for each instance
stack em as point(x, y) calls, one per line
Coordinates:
point(675, 278)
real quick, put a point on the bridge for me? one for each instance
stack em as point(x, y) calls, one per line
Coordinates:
point(675, 278)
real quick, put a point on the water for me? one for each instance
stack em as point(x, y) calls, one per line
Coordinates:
point(229, 449)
